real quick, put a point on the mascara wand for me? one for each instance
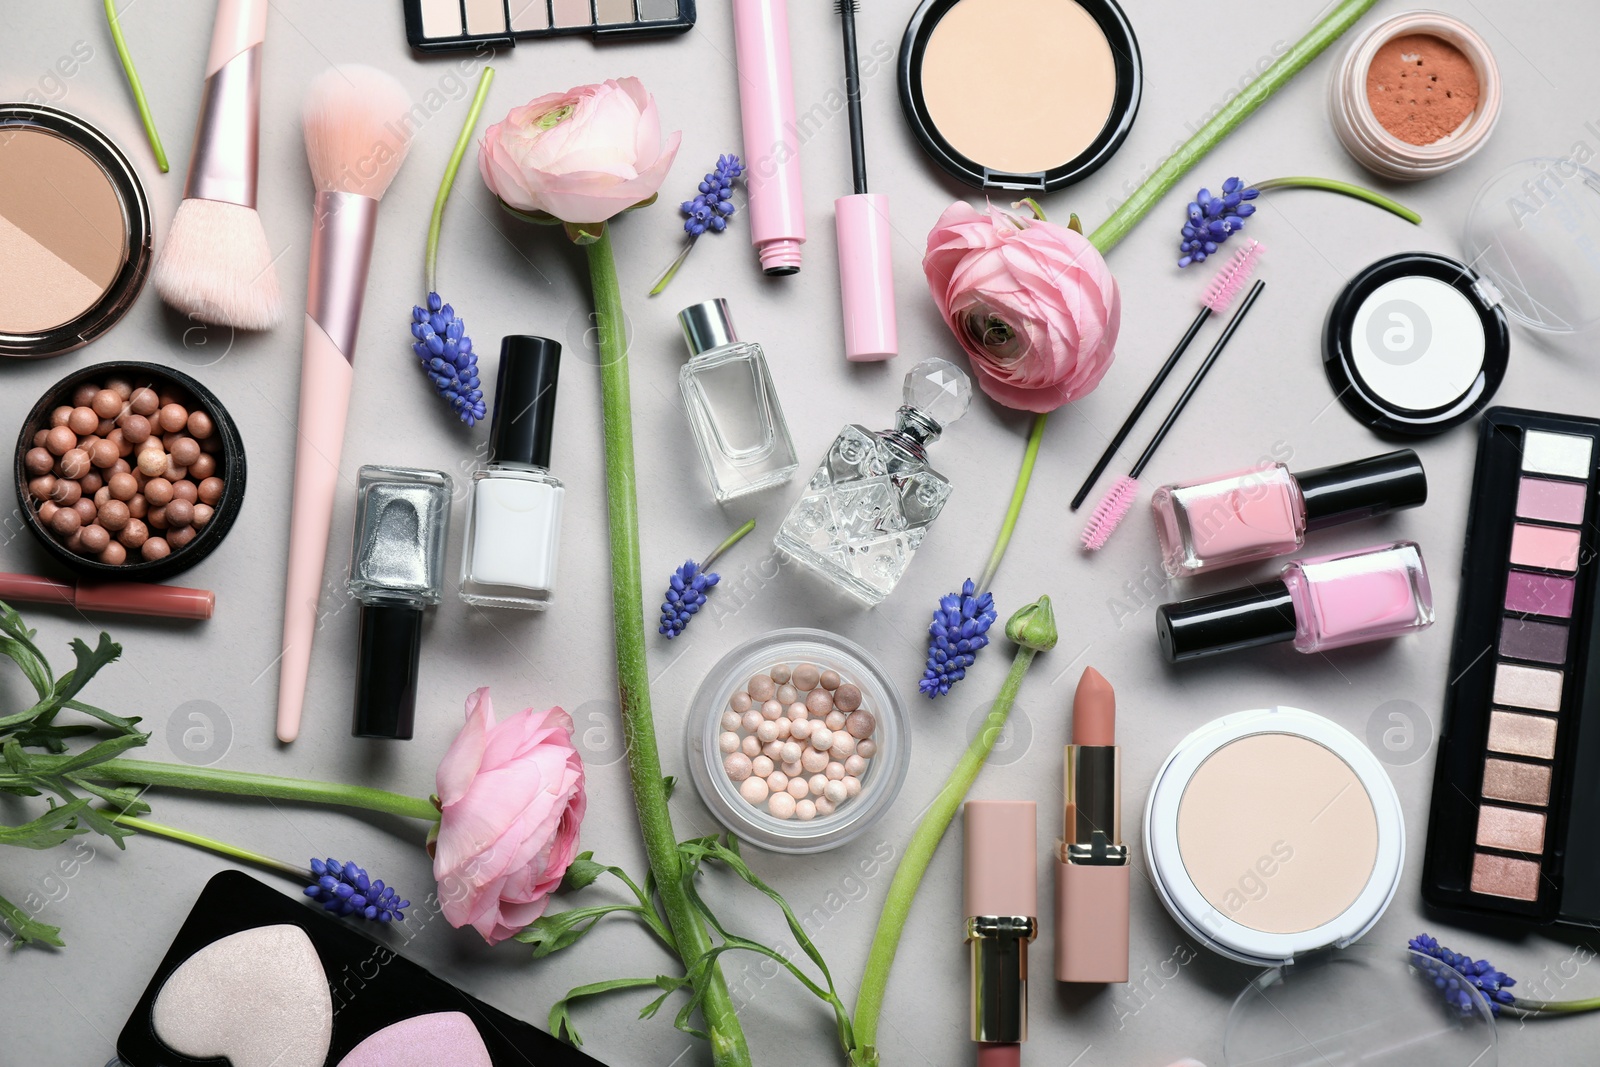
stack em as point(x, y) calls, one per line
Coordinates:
point(866, 275)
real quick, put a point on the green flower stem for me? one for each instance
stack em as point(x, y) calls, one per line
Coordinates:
point(733, 539)
point(1009, 526)
point(133, 83)
point(1528, 1009)
point(145, 826)
point(246, 784)
point(1275, 77)
point(919, 853)
point(1344, 188)
point(728, 1048)
point(449, 178)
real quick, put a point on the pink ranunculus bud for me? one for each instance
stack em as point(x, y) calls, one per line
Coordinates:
point(1032, 302)
point(511, 796)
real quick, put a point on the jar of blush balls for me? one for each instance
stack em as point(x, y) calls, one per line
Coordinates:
point(798, 741)
point(1415, 96)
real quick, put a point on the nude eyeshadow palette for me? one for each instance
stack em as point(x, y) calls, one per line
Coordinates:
point(1516, 789)
point(454, 25)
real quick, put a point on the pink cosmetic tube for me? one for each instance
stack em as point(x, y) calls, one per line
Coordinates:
point(227, 135)
point(117, 598)
point(866, 277)
point(1092, 862)
point(771, 137)
point(1002, 904)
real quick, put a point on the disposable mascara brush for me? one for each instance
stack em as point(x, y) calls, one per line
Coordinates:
point(1115, 504)
point(866, 276)
point(1228, 284)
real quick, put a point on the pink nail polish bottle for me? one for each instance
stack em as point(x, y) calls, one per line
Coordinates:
point(1267, 511)
point(1321, 603)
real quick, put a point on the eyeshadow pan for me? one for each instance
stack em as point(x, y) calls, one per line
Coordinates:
point(656, 10)
point(486, 16)
point(1547, 547)
point(1502, 876)
point(1557, 453)
point(1539, 594)
point(441, 18)
point(1540, 498)
point(1542, 642)
point(571, 12)
point(530, 15)
point(611, 12)
point(1510, 829)
point(1517, 734)
point(1527, 687)
point(1520, 783)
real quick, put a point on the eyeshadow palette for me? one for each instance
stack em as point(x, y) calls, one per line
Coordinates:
point(257, 978)
point(1517, 783)
point(451, 25)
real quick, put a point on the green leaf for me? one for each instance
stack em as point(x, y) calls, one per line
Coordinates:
point(560, 1021)
point(116, 722)
point(668, 983)
point(89, 663)
point(549, 934)
point(122, 799)
point(109, 749)
point(583, 872)
point(669, 783)
point(101, 824)
point(24, 929)
point(48, 830)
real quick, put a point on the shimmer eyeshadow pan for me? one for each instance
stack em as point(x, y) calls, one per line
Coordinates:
point(1551, 548)
point(1539, 594)
point(1541, 642)
point(1502, 876)
point(1510, 830)
point(1541, 498)
point(1569, 455)
point(1516, 734)
point(450, 25)
point(1519, 783)
point(1527, 687)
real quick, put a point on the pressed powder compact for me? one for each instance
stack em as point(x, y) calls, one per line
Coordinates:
point(1075, 63)
point(75, 233)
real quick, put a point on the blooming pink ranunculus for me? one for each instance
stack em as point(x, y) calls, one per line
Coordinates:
point(511, 795)
point(1032, 302)
point(582, 156)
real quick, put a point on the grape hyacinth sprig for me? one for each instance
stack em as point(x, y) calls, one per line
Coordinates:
point(1213, 219)
point(1448, 971)
point(959, 631)
point(690, 584)
point(708, 212)
point(345, 889)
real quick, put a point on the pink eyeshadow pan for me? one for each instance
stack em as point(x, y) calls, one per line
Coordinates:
point(1539, 498)
point(1510, 829)
point(1546, 547)
point(1539, 594)
point(1502, 876)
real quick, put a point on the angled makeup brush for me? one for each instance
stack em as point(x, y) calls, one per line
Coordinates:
point(357, 134)
point(1228, 283)
point(866, 275)
point(1115, 504)
point(216, 265)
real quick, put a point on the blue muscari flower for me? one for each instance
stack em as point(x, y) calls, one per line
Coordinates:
point(1480, 974)
point(713, 206)
point(446, 353)
point(1213, 219)
point(958, 632)
point(686, 594)
point(345, 889)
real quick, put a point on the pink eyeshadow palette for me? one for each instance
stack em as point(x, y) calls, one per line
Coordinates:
point(1517, 782)
point(455, 25)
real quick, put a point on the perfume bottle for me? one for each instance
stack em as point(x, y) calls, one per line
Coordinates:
point(514, 522)
point(869, 505)
point(396, 571)
point(732, 406)
point(1267, 511)
point(1321, 603)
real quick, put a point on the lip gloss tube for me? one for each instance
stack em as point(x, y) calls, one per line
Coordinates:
point(117, 598)
point(771, 137)
point(1002, 902)
point(1091, 859)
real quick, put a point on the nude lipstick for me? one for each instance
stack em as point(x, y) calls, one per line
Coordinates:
point(1002, 901)
point(1091, 859)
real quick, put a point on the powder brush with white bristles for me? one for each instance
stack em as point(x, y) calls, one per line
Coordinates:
point(216, 265)
point(358, 129)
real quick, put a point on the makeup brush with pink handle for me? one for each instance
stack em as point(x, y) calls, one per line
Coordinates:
point(357, 131)
point(216, 265)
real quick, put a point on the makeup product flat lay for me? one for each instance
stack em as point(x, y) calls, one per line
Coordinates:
point(216, 265)
point(999, 890)
point(866, 260)
point(470, 25)
point(75, 232)
point(1513, 795)
point(266, 981)
point(1078, 66)
point(113, 598)
point(357, 135)
point(1092, 861)
point(771, 137)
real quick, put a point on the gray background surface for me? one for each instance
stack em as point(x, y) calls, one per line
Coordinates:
point(120, 910)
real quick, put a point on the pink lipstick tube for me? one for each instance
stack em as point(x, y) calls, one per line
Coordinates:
point(1002, 905)
point(1091, 860)
point(771, 137)
point(227, 135)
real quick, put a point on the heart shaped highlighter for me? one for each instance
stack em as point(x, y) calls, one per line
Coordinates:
point(258, 997)
point(423, 1041)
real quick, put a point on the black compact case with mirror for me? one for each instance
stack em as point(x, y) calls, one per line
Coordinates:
point(372, 987)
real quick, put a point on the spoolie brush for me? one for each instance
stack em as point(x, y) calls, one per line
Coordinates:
point(866, 276)
point(216, 265)
point(358, 130)
point(1115, 504)
point(1218, 295)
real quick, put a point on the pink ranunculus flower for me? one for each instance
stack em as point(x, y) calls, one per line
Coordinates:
point(511, 798)
point(581, 156)
point(1032, 302)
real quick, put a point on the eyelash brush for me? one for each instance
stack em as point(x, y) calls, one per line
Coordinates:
point(866, 274)
point(357, 135)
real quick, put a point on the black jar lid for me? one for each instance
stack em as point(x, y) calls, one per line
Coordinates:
point(1238, 618)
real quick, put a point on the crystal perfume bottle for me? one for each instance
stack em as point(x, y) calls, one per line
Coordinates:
point(732, 406)
point(869, 505)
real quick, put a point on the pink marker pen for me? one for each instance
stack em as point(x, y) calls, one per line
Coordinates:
point(771, 137)
point(1321, 603)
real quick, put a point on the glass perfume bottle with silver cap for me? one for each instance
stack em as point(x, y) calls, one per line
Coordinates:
point(870, 503)
point(732, 406)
